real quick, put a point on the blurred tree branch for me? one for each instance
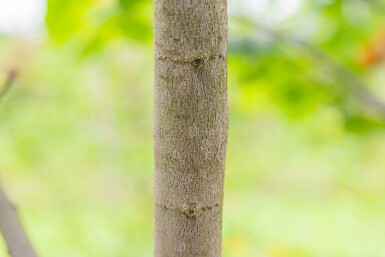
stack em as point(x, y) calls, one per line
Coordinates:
point(332, 67)
point(348, 78)
point(11, 228)
point(8, 83)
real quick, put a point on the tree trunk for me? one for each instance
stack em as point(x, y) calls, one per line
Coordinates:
point(190, 126)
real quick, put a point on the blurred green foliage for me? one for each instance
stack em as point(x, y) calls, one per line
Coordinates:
point(310, 61)
point(95, 23)
point(306, 146)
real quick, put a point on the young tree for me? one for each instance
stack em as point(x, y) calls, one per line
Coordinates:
point(190, 126)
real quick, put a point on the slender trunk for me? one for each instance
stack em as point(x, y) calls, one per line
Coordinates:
point(12, 230)
point(190, 126)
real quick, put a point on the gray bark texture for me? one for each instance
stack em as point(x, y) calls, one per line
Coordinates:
point(190, 126)
point(12, 230)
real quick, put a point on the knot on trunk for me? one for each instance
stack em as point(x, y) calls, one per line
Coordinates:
point(198, 62)
point(191, 210)
point(197, 59)
point(200, 58)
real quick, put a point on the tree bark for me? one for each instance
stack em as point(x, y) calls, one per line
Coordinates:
point(190, 126)
point(12, 230)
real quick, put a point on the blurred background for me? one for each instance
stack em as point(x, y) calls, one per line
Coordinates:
point(305, 173)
